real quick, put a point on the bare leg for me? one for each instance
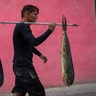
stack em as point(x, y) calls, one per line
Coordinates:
point(17, 94)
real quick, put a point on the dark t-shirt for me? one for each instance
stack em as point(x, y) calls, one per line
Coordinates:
point(24, 45)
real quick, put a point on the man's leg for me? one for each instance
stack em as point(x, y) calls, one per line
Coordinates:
point(18, 89)
point(17, 94)
point(35, 88)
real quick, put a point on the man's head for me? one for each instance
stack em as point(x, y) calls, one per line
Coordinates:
point(29, 13)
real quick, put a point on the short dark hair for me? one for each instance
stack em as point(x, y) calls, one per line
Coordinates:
point(29, 8)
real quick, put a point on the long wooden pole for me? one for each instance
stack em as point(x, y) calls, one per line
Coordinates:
point(35, 23)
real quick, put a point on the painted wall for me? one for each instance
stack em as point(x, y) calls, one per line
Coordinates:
point(82, 39)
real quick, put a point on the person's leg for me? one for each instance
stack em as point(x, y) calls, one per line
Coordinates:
point(18, 89)
point(39, 88)
point(17, 94)
point(35, 88)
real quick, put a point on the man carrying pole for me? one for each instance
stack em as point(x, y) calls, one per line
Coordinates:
point(26, 78)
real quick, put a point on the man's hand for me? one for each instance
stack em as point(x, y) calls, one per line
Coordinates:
point(52, 26)
point(43, 58)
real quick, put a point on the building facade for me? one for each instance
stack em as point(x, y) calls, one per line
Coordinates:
point(82, 39)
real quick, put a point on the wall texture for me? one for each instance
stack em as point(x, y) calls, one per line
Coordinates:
point(82, 39)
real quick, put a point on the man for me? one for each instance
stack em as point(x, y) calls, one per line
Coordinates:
point(26, 78)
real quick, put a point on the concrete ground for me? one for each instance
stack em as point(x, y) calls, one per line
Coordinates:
point(85, 89)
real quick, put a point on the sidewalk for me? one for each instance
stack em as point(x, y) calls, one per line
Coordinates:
point(87, 89)
point(74, 90)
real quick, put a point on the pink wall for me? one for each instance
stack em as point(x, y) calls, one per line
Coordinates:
point(82, 39)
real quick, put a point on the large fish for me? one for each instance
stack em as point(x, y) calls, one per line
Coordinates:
point(1, 74)
point(67, 64)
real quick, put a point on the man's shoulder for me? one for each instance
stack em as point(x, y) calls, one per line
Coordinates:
point(20, 24)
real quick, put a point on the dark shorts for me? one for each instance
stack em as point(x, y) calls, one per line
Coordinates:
point(28, 81)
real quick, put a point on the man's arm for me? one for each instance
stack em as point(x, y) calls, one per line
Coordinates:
point(28, 36)
point(35, 51)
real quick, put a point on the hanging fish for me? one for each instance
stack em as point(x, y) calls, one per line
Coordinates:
point(67, 64)
point(1, 74)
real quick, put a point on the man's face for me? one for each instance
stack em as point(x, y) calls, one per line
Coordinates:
point(32, 17)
